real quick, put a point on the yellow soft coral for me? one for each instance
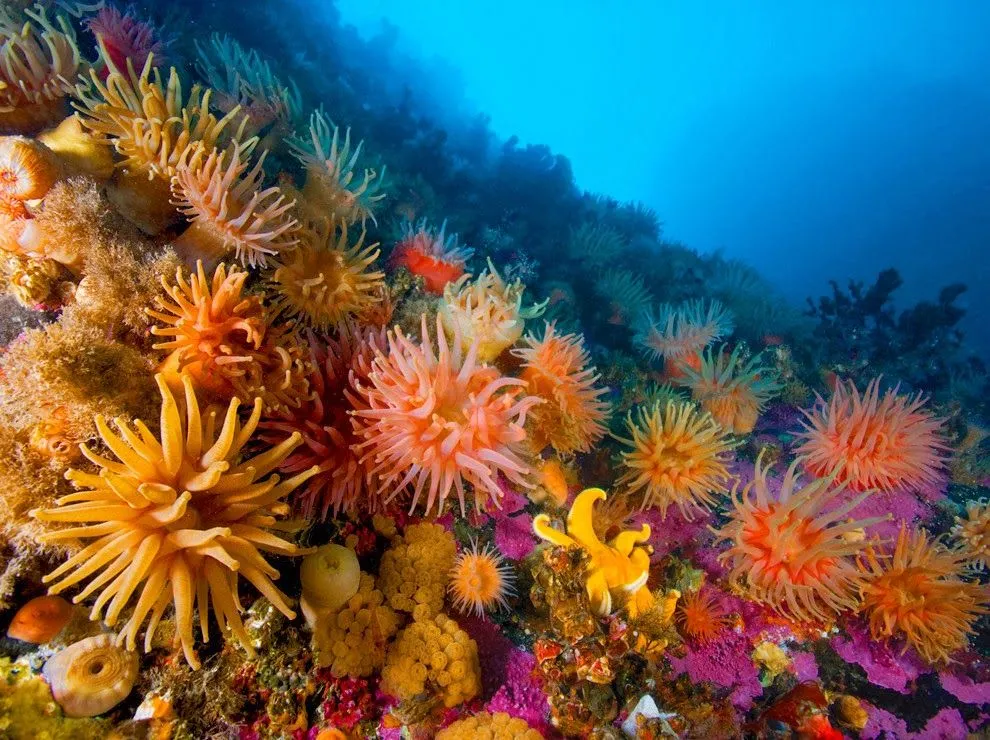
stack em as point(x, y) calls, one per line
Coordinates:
point(435, 657)
point(617, 570)
point(352, 640)
point(415, 570)
point(497, 726)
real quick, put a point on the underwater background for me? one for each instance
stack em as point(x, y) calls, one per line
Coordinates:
point(414, 370)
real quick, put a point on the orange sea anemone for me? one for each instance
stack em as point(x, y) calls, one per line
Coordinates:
point(431, 255)
point(40, 620)
point(436, 419)
point(677, 456)
point(675, 332)
point(28, 169)
point(873, 441)
point(973, 533)
point(343, 482)
point(122, 38)
point(917, 591)
point(327, 280)
point(480, 581)
point(626, 295)
point(557, 369)
point(333, 187)
point(488, 310)
point(175, 520)
point(230, 210)
point(700, 616)
point(733, 391)
point(39, 61)
point(784, 552)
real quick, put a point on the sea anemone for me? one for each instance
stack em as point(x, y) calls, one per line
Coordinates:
point(333, 187)
point(28, 169)
point(487, 310)
point(626, 295)
point(973, 533)
point(177, 520)
point(556, 369)
point(679, 332)
point(221, 337)
point(436, 420)
point(734, 392)
point(40, 620)
point(431, 255)
point(343, 482)
point(700, 616)
point(122, 38)
point(480, 581)
point(595, 244)
point(873, 441)
point(79, 150)
point(230, 210)
point(39, 61)
point(150, 124)
point(677, 456)
point(917, 591)
point(326, 279)
point(91, 676)
point(329, 577)
point(786, 553)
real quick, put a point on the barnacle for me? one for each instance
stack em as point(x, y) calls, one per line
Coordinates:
point(175, 519)
point(334, 188)
point(733, 391)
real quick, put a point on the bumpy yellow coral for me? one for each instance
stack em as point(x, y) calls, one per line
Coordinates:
point(487, 310)
point(415, 570)
point(352, 641)
point(433, 656)
point(498, 726)
point(617, 570)
point(28, 712)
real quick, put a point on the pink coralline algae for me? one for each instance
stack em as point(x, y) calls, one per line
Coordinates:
point(675, 532)
point(726, 663)
point(900, 505)
point(969, 689)
point(884, 665)
point(514, 535)
point(948, 724)
point(522, 693)
point(804, 666)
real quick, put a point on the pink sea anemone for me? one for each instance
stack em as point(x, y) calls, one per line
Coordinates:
point(435, 420)
point(122, 37)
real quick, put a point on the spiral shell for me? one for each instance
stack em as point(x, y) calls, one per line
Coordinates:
point(91, 676)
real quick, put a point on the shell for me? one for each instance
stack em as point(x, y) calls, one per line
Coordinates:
point(330, 576)
point(91, 676)
point(40, 620)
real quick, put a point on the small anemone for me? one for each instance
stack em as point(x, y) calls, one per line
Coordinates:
point(430, 254)
point(733, 390)
point(480, 580)
point(92, 676)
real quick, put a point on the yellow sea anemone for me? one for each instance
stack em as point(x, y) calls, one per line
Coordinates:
point(487, 310)
point(557, 369)
point(333, 187)
point(677, 456)
point(39, 61)
point(326, 279)
point(480, 580)
point(175, 520)
point(150, 124)
point(230, 210)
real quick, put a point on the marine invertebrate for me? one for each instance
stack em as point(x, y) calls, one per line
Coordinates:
point(617, 571)
point(916, 591)
point(327, 279)
point(487, 310)
point(480, 580)
point(595, 244)
point(40, 620)
point(39, 61)
point(431, 255)
point(230, 209)
point(786, 553)
point(677, 456)
point(91, 676)
point(80, 151)
point(626, 295)
point(497, 726)
point(556, 370)
point(334, 188)
point(700, 616)
point(435, 420)
point(178, 519)
point(330, 577)
point(435, 657)
point(28, 168)
point(973, 533)
point(682, 331)
point(873, 441)
point(353, 639)
point(733, 391)
point(151, 124)
point(122, 38)
point(344, 481)
point(415, 570)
